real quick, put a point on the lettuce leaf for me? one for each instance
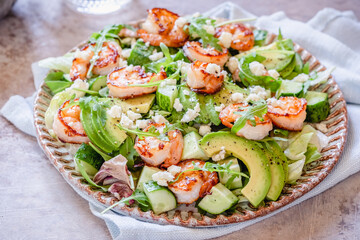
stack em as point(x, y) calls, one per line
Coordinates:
point(63, 63)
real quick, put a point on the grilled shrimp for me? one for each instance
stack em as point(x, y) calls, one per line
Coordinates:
point(155, 151)
point(67, 125)
point(204, 77)
point(108, 59)
point(119, 80)
point(242, 37)
point(195, 51)
point(161, 27)
point(261, 130)
point(192, 184)
point(287, 112)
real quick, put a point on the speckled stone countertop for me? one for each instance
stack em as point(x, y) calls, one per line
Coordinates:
point(37, 203)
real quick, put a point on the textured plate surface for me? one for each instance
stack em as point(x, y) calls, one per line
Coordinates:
point(336, 129)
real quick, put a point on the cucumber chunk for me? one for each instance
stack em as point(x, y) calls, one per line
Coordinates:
point(146, 176)
point(220, 200)
point(97, 83)
point(290, 88)
point(165, 97)
point(224, 177)
point(91, 160)
point(192, 149)
point(161, 199)
point(318, 107)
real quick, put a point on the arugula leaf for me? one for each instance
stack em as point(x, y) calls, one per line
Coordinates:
point(249, 79)
point(140, 53)
point(127, 150)
point(196, 29)
point(57, 82)
point(213, 167)
point(137, 196)
point(283, 132)
point(258, 109)
point(280, 36)
point(260, 37)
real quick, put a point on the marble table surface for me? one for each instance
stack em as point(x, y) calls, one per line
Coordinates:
point(36, 203)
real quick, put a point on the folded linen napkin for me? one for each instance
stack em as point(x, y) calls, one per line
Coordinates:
point(330, 36)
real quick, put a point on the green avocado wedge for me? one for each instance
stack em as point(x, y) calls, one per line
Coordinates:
point(250, 154)
point(277, 176)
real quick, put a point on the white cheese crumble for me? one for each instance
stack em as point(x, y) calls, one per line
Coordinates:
point(273, 73)
point(125, 53)
point(225, 39)
point(147, 44)
point(257, 93)
point(204, 129)
point(115, 111)
point(177, 105)
point(130, 68)
point(142, 123)
point(213, 69)
point(191, 114)
point(186, 92)
point(133, 115)
point(219, 108)
point(78, 83)
point(209, 29)
point(173, 169)
point(301, 78)
point(184, 67)
point(168, 81)
point(219, 156)
point(156, 56)
point(162, 177)
point(237, 97)
point(233, 64)
point(180, 22)
point(126, 122)
point(159, 119)
point(122, 63)
point(257, 68)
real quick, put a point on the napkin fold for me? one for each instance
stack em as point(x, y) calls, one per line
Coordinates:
point(330, 35)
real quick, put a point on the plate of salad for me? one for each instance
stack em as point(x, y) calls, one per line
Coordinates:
point(190, 120)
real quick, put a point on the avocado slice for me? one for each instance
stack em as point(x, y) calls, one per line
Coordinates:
point(279, 153)
point(277, 176)
point(252, 156)
point(276, 59)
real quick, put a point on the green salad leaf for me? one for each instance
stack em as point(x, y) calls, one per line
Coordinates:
point(57, 82)
point(196, 28)
point(62, 63)
point(260, 37)
point(127, 149)
point(140, 53)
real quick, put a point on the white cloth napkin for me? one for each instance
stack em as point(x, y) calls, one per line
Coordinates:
point(332, 36)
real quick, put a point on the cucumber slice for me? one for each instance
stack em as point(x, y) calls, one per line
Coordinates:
point(97, 83)
point(91, 160)
point(290, 88)
point(220, 200)
point(318, 107)
point(165, 97)
point(224, 177)
point(145, 176)
point(192, 149)
point(161, 199)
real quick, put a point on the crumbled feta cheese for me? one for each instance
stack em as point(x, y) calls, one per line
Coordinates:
point(209, 29)
point(115, 111)
point(204, 129)
point(186, 92)
point(159, 119)
point(125, 53)
point(257, 68)
point(219, 156)
point(237, 97)
point(208, 22)
point(273, 73)
point(168, 81)
point(177, 105)
point(213, 69)
point(191, 114)
point(225, 39)
point(151, 113)
point(184, 67)
point(130, 68)
point(162, 177)
point(173, 169)
point(257, 93)
point(78, 83)
point(126, 122)
point(180, 22)
point(301, 78)
point(133, 115)
point(156, 56)
point(253, 97)
point(233, 64)
point(122, 63)
point(219, 108)
point(142, 123)
point(147, 44)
